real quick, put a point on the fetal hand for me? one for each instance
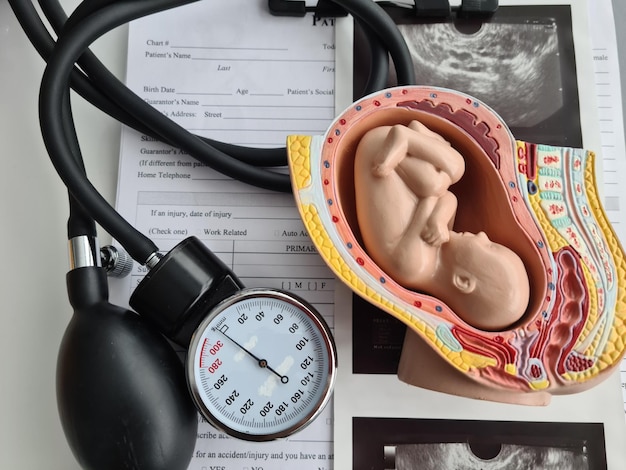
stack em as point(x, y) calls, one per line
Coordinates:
point(435, 234)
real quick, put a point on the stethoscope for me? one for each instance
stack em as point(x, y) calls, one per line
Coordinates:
point(124, 399)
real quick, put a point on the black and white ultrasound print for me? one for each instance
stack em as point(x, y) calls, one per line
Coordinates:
point(444, 444)
point(512, 67)
point(460, 456)
point(521, 63)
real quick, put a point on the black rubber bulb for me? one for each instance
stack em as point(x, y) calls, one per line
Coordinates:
point(121, 391)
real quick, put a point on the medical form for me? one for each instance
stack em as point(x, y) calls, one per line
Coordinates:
point(251, 81)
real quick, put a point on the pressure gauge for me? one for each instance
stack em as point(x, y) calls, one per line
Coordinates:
point(261, 365)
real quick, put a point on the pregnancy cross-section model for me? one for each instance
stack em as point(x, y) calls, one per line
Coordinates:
point(495, 253)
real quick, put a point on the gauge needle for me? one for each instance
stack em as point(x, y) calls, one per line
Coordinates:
point(261, 362)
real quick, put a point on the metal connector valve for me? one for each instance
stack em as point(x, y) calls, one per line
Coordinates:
point(117, 263)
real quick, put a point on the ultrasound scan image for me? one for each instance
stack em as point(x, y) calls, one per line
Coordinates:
point(496, 63)
point(460, 456)
point(440, 444)
point(520, 62)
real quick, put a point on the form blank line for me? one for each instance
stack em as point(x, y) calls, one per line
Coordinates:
point(203, 93)
point(231, 48)
point(279, 119)
point(307, 131)
point(318, 61)
point(267, 218)
point(226, 199)
point(265, 106)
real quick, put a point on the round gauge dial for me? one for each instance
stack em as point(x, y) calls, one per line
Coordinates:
point(261, 365)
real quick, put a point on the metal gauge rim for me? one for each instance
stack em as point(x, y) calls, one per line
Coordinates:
point(320, 328)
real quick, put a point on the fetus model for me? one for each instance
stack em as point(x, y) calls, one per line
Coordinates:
point(495, 253)
point(405, 214)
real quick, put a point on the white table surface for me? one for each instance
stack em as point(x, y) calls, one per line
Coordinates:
point(33, 212)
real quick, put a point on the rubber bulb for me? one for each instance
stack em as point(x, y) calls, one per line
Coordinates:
point(121, 390)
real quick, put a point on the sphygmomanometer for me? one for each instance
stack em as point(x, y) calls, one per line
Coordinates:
point(124, 398)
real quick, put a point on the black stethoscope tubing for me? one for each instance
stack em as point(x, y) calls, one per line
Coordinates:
point(93, 19)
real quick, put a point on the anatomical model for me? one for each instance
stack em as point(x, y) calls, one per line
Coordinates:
point(495, 253)
point(406, 213)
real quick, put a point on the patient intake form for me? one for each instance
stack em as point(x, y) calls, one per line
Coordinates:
point(232, 72)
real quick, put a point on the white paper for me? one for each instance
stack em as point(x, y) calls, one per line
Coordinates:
point(384, 396)
point(232, 72)
point(611, 121)
point(260, 255)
